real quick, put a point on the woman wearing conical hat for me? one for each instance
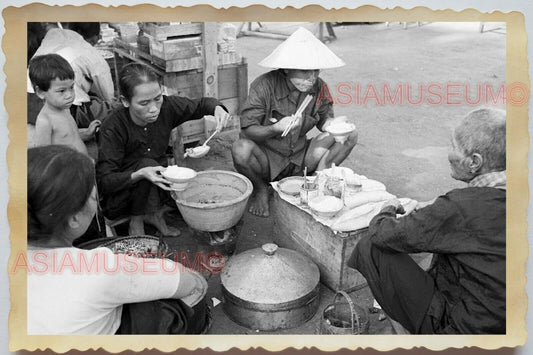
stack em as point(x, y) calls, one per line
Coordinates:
point(264, 153)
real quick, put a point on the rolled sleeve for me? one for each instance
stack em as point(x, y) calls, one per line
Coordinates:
point(185, 109)
point(255, 109)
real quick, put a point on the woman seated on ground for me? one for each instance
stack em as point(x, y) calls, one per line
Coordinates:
point(76, 291)
point(132, 146)
point(463, 292)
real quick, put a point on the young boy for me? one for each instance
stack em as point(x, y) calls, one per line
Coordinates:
point(52, 78)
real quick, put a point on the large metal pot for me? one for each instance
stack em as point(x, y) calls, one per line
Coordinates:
point(270, 288)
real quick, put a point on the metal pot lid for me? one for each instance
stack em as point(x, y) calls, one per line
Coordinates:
point(270, 275)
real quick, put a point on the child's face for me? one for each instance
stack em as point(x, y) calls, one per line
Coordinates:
point(60, 94)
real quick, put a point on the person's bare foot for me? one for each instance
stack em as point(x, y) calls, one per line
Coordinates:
point(259, 205)
point(157, 220)
point(164, 209)
point(136, 226)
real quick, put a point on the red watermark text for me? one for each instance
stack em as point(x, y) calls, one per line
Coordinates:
point(432, 94)
point(98, 262)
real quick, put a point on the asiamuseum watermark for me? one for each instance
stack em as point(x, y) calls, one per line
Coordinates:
point(432, 94)
point(98, 262)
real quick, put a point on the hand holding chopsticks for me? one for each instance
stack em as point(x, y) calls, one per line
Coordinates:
point(297, 115)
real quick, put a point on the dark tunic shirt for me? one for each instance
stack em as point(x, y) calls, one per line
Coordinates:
point(466, 230)
point(273, 95)
point(122, 143)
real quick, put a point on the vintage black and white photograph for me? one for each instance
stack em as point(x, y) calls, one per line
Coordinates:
point(308, 178)
point(267, 178)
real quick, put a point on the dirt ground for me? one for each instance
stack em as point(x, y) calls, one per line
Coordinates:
point(402, 144)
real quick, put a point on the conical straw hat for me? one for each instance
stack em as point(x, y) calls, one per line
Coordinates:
point(302, 50)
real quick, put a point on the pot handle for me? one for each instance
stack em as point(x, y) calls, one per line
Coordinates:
point(269, 248)
point(352, 311)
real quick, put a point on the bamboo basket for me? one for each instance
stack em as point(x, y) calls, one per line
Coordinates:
point(344, 317)
point(154, 246)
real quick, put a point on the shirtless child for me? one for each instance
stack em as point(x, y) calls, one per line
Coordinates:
point(52, 78)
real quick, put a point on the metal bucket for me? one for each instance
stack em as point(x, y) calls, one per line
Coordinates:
point(344, 317)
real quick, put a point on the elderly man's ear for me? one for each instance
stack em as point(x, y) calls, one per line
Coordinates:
point(476, 163)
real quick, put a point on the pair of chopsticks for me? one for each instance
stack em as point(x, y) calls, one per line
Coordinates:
point(298, 113)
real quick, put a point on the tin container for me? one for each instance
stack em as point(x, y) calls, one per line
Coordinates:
point(270, 288)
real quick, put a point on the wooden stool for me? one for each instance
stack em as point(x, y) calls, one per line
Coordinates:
point(110, 225)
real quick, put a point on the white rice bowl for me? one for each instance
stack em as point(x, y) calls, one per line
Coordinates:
point(178, 174)
point(326, 206)
point(340, 128)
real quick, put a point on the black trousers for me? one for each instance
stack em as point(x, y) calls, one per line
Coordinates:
point(167, 316)
point(403, 290)
point(142, 198)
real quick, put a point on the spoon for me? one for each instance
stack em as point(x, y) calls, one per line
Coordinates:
point(208, 139)
point(188, 154)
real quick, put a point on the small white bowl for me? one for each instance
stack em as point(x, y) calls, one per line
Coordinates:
point(326, 206)
point(179, 186)
point(340, 131)
point(178, 175)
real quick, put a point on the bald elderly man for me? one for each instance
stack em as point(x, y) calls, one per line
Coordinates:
point(463, 292)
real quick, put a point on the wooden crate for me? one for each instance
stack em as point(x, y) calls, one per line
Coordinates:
point(199, 130)
point(197, 62)
point(232, 78)
point(232, 89)
point(162, 31)
point(296, 229)
point(179, 48)
point(127, 30)
point(232, 83)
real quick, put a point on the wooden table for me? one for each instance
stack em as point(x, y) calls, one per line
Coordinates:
point(298, 230)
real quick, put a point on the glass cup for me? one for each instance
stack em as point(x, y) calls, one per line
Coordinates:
point(308, 192)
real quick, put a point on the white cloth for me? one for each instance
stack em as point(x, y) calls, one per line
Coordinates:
point(368, 185)
point(75, 291)
point(353, 216)
point(91, 71)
